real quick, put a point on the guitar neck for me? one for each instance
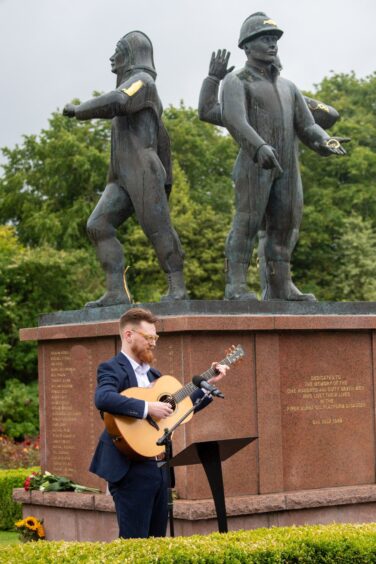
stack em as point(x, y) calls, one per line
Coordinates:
point(189, 388)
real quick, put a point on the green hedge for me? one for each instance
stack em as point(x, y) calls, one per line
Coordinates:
point(9, 510)
point(352, 544)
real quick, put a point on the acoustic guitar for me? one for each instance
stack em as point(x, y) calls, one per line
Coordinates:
point(137, 438)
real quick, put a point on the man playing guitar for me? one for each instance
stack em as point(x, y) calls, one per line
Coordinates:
point(138, 487)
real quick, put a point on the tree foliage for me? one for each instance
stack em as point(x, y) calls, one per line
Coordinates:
point(34, 281)
point(202, 237)
point(340, 195)
point(205, 155)
point(19, 409)
point(52, 182)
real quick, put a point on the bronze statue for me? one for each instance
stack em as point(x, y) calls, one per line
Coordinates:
point(210, 111)
point(266, 114)
point(139, 178)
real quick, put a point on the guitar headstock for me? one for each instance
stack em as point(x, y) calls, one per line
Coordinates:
point(235, 354)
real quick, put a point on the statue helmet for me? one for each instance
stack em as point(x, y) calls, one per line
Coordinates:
point(138, 50)
point(255, 25)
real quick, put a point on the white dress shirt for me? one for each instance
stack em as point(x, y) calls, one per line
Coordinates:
point(141, 371)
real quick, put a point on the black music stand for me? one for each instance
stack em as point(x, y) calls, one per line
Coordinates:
point(210, 454)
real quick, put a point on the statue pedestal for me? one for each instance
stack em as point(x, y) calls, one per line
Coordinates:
point(305, 388)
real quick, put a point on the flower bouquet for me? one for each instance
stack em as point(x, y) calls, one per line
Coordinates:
point(30, 529)
point(47, 482)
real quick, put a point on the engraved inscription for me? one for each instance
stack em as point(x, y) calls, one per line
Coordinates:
point(70, 393)
point(323, 393)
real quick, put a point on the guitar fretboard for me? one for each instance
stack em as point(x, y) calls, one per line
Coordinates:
point(189, 388)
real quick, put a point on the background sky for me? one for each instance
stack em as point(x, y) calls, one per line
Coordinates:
point(54, 50)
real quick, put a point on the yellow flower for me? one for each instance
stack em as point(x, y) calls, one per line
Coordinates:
point(41, 532)
point(20, 523)
point(31, 523)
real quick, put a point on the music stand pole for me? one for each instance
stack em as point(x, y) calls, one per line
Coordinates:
point(170, 482)
point(166, 440)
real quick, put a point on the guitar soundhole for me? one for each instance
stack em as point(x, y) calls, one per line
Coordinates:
point(168, 399)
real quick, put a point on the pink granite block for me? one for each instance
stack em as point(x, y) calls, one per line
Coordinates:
point(245, 505)
point(70, 422)
point(21, 496)
point(72, 500)
point(96, 526)
point(103, 502)
point(269, 430)
point(216, 323)
point(327, 409)
point(331, 496)
point(37, 497)
point(325, 322)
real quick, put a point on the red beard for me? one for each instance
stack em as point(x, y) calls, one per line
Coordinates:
point(143, 354)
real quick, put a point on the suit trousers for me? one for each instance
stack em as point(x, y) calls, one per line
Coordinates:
point(141, 501)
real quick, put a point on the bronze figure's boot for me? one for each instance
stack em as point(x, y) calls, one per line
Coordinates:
point(176, 287)
point(115, 294)
point(236, 282)
point(279, 285)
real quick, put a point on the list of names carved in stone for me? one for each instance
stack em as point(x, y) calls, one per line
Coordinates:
point(70, 408)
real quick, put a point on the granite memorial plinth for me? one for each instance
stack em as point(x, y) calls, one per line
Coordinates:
point(305, 388)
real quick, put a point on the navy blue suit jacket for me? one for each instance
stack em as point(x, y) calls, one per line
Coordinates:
point(113, 377)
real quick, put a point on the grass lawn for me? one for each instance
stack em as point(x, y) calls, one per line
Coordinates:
point(8, 537)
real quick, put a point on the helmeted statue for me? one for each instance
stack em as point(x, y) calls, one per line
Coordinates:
point(266, 114)
point(210, 111)
point(139, 178)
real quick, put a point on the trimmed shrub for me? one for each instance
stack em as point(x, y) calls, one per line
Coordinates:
point(347, 544)
point(10, 511)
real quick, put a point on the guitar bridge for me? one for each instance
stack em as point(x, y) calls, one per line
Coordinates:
point(153, 423)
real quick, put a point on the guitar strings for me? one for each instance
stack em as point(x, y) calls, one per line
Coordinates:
point(190, 387)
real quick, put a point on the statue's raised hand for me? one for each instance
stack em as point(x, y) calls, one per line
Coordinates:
point(69, 110)
point(333, 146)
point(218, 64)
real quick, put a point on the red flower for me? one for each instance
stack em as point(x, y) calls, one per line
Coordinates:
point(27, 483)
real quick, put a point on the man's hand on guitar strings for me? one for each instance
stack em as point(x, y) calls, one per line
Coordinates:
point(220, 370)
point(159, 409)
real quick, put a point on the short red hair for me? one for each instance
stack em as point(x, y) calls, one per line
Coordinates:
point(135, 316)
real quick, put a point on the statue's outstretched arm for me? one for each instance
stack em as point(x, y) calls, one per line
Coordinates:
point(131, 96)
point(105, 106)
point(311, 134)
